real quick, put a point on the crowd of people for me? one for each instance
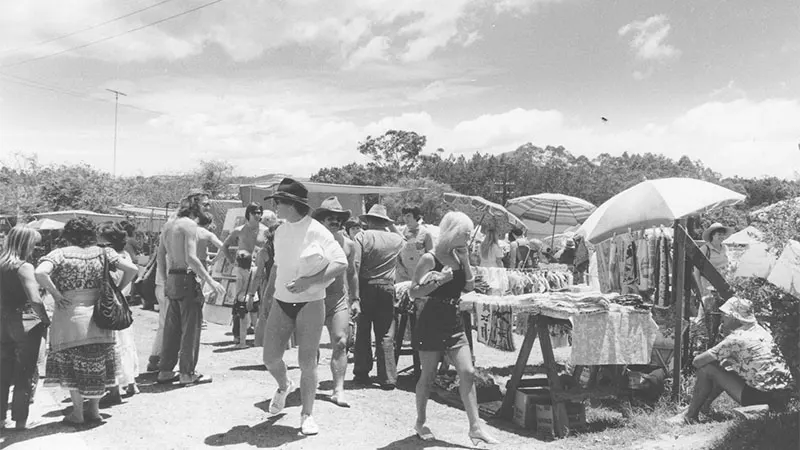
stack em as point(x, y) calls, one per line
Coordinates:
point(298, 270)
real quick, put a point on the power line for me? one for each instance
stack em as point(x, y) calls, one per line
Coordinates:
point(25, 61)
point(64, 36)
point(41, 86)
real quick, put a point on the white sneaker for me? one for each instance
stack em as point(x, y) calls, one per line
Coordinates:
point(308, 426)
point(279, 399)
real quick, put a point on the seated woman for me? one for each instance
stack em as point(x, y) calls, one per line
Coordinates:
point(745, 364)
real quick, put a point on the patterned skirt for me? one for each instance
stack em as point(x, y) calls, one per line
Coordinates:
point(89, 369)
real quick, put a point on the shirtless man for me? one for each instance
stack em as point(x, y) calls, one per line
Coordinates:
point(181, 268)
point(337, 309)
point(251, 237)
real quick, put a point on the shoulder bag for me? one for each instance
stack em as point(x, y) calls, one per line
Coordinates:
point(111, 312)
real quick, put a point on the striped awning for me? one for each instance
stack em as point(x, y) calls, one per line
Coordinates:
point(553, 208)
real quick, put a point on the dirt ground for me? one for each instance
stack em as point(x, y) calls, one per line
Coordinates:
point(232, 413)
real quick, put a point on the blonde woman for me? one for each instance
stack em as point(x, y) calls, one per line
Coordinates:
point(491, 253)
point(440, 277)
point(23, 323)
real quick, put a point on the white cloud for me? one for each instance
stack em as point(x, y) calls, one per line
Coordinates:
point(647, 38)
point(358, 30)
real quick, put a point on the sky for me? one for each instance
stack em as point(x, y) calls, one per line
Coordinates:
point(294, 86)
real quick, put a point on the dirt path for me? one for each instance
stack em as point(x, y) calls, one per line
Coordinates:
point(231, 411)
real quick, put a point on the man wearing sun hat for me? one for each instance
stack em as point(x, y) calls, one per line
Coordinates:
point(374, 296)
point(307, 260)
point(337, 308)
point(745, 364)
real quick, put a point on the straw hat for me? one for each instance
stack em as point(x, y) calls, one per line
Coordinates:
point(739, 308)
point(378, 212)
point(291, 190)
point(331, 206)
point(715, 226)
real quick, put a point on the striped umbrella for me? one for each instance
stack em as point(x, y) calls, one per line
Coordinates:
point(484, 213)
point(554, 208)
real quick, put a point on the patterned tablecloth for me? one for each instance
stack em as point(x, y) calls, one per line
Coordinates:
point(603, 332)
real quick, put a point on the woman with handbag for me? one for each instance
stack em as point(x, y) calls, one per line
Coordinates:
point(114, 236)
point(81, 356)
point(23, 321)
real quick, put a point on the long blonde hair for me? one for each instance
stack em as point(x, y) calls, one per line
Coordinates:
point(490, 239)
point(19, 246)
point(452, 224)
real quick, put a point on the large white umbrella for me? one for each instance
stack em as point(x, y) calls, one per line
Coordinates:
point(655, 202)
point(553, 208)
point(46, 224)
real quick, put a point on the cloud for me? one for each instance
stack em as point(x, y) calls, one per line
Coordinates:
point(350, 31)
point(647, 39)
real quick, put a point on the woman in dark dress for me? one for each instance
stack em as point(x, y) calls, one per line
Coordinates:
point(439, 279)
point(23, 324)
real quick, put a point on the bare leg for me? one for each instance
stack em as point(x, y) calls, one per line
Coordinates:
point(93, 409)
point(708, 377)
point(338, 326)
point(244, 322)
point(428, 362)
point(715, 392)
point(278, 330)
point(77, 406)
point(309, 330)
point(462, 360)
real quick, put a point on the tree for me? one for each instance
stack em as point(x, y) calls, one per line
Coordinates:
point(424, 192)
point(353, 174)
point(396, 152)
point(76, 187)
point(215, 177)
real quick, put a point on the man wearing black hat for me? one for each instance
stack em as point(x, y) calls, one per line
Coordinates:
point(307, 260)
point(375, 263)
point(337, 308)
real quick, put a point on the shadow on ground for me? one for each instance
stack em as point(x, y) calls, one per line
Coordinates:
point(414, 442)
point(14, 437)
point(775, 432)
point(263, 435)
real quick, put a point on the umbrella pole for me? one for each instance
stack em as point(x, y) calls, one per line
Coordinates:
point(553, 236)
point(475, 233)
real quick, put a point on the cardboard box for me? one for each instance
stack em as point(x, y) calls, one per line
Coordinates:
point(525, 402)
point(576, 417)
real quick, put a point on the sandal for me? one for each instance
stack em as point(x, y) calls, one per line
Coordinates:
point(69, 420)
point(339, 401)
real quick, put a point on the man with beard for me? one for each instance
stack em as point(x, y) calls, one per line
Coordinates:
point(337, 309)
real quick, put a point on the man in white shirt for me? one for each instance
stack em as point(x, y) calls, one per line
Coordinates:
point(307, 260)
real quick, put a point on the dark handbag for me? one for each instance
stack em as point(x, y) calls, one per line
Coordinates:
point(111, 312)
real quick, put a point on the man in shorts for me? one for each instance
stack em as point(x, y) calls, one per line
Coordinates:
point(249, 238)
point(337, 308)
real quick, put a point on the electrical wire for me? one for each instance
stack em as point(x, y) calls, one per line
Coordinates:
point(64, 36)
point(41, 86)
point(108, 38)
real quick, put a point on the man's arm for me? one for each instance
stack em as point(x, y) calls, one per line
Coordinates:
point(357, 250)
point(352, 273)
point(161, 257)
point(229, 242)
point(188, 232)
point(428, 241)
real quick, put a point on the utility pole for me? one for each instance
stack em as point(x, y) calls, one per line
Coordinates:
point(116, 112)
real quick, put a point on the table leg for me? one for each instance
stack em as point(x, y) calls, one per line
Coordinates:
point(560, 419)
point(506, 409)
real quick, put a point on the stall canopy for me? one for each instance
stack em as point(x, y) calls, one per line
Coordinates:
point(749, 254)
point(351, 197)
point(64, 216)
point(146, 218)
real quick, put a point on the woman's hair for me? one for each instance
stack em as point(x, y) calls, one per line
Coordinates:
point(205, 218)
point(490, 239)
point(80, 232)
point(129, 227)
point(19, 245)
point(354, 222)
point(413, 210)
point(253, 207)
point(114, 233)
point(452, 224)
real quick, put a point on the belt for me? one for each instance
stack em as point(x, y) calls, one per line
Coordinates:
point(381, 282)
point(180, 271)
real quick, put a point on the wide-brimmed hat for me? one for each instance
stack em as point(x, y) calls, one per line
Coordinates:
point(377, 212)
point(715, 226)
point(331, 206)
point(739, 308)
point(290, 190)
